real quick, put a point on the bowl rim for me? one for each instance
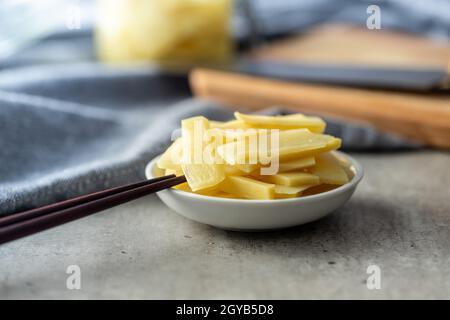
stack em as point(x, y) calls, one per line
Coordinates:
point(356, 167)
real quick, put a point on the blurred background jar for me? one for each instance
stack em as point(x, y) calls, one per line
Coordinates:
point(172, 31)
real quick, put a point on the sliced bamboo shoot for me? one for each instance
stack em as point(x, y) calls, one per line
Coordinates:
point(296, 164)
point(298, 121)
point(233, 171)
point(329, 170)
point(292, 144)
point(203, 176)
point(256, 157)
point(171, 158)
point(175, 172)
point(199, 175)
point(291, 179)
point(248, 188)
point(282, 192)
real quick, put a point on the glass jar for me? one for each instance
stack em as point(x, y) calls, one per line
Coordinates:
point(180, 31)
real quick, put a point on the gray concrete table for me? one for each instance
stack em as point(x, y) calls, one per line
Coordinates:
point(398, 220)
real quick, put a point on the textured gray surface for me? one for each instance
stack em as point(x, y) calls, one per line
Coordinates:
point(398, 219)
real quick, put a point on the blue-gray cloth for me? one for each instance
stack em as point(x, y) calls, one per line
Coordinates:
point(71, 128)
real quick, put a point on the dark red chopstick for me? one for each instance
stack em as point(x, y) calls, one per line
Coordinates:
point(25, 215)
point(30, 222)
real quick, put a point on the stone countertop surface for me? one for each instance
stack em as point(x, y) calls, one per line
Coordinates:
point(398, 219)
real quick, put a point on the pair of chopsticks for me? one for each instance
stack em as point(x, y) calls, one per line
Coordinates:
point(25, 223)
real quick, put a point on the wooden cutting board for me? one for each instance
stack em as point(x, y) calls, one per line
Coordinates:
point(351, 45)
point(423, 118)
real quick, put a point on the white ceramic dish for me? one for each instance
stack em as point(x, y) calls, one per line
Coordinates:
point(257, 215)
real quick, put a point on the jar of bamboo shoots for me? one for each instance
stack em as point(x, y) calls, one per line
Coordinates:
point(174, 31)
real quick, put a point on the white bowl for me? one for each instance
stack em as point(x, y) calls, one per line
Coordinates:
point(257, 215)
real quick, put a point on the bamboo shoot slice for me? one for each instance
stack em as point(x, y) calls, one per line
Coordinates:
point(282, 192)
point(329, 171)
point(233, 171)
point(248, 188)
point(199, 175)
point(291, 179)
point(203, 176)
point(296, 164)
point(314, 124)
point(170, 159)
point(175, 172)
point(226, 195)
point(292, 144)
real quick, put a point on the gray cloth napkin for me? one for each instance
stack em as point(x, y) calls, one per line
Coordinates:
point(70, 130)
